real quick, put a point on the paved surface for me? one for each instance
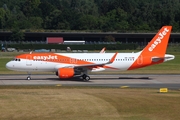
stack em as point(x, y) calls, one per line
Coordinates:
point(135, 81)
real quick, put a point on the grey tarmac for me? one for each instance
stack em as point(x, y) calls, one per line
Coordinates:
point(132, 81)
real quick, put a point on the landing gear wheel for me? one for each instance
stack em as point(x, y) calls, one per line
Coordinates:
point(86, 77)
point(28, 78)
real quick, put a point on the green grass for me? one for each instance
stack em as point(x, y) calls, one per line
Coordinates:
point(9, 54)
point(54, 103)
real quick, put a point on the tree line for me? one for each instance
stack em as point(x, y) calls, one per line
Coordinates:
point(89, 15)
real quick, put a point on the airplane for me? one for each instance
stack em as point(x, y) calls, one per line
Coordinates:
point(68, 65)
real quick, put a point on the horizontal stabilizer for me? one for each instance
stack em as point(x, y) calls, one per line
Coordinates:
point(156, 59)
point(167, 57)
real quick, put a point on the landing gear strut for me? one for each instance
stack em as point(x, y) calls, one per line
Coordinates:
point(29, 76)
point(85, 77)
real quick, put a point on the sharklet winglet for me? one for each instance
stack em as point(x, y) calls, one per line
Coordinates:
point(113, 58)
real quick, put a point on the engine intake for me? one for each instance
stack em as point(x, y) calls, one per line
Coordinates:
point(65, 72)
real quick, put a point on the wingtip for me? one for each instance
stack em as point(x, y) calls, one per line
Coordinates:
point(113, 58)
point(103, 50)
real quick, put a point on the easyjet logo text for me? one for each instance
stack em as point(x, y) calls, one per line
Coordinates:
point(49, 57)
point(158, 39)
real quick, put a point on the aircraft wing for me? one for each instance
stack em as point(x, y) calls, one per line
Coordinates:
point(94, 65)
point(103, 50)
point(98, 65)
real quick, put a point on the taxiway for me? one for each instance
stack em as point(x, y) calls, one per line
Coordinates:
point(134, 81)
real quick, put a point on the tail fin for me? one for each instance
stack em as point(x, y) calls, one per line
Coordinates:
point(154, 52)
point(159, 43)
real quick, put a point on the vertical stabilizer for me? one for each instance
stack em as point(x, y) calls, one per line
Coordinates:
point(154, 52)
point(159, 43)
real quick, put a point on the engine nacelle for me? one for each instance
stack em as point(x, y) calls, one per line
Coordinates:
point(65, 72)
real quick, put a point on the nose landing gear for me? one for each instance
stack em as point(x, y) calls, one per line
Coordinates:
point(29, 76)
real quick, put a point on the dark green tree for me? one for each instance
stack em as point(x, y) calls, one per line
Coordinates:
point(105, 15)
point(2, 18)
point(88, 22)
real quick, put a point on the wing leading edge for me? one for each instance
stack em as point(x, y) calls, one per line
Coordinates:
point(94, 65)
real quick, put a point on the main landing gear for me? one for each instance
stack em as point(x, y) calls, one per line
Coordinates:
point(85, 77)
point(82, 73)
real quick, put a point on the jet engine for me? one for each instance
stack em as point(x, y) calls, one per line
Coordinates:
point(65, 72)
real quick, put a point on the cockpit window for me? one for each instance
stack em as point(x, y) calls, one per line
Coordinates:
point(15, 59)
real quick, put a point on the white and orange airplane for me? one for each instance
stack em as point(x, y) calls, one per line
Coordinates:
point(68, 65)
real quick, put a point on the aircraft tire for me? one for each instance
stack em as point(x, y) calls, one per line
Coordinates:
point(28, 78)
point(86, 78)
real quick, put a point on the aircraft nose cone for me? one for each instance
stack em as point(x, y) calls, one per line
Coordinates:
point(9, 65)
